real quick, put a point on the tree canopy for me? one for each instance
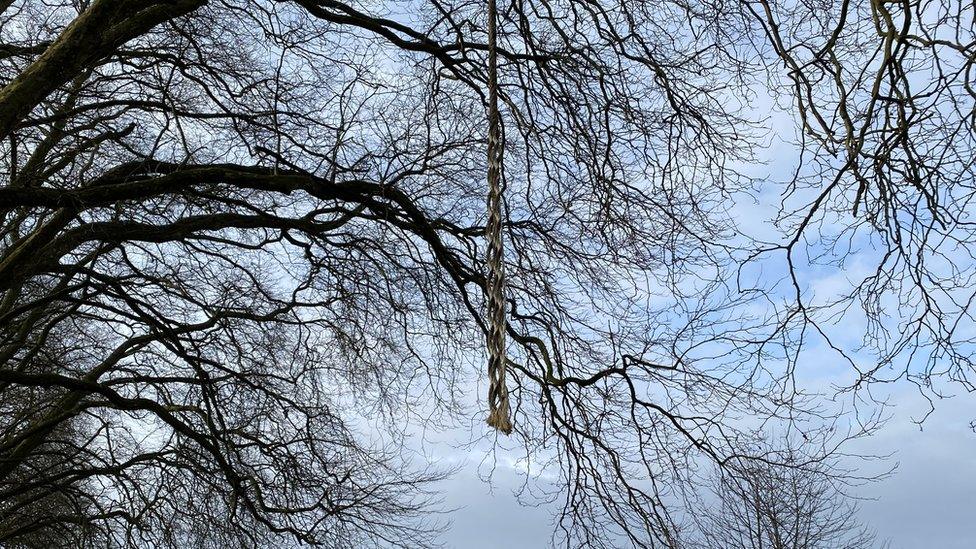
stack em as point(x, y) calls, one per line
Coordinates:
point(242, 249)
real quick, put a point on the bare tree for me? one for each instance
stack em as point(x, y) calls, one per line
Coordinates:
point(789, 503)
point(242, 238)
point(242, 246)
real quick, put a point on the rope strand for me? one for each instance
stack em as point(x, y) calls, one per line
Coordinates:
point(499, 412)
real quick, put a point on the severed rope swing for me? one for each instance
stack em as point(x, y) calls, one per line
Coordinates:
point(499, 411)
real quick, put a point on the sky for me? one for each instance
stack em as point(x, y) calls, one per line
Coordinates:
point(927, 502)
point(930, 500)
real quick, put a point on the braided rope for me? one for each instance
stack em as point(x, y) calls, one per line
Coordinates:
point(499, 412)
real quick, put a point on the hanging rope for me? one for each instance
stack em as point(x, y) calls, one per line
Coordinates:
point(499, 412)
